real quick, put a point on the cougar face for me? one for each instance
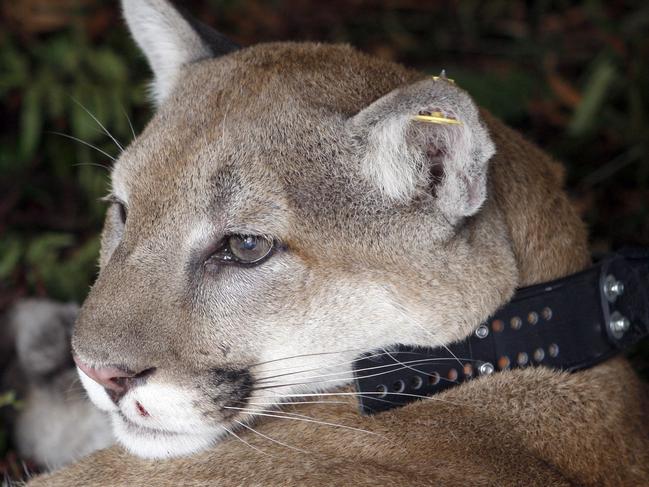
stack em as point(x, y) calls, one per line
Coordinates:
point(281, 214)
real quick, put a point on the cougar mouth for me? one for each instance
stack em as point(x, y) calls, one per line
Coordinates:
point(154, 442)
point(160, 418)
point(138, 428)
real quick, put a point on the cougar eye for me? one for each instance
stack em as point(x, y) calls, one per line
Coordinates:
point(121, 211)
point(244, 249)
point(249, 249)
point(118, 206)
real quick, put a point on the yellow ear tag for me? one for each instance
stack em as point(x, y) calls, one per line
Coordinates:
point(437, 117)
point(443, 78)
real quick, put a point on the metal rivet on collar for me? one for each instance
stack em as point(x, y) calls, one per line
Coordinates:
point(522, 358)
point(618, 325)
point(468, 370)
point(547, 313)
point(533, 318)
point(539, 354)
point(416, 382)
point(486, 368)
point(613, 288)
point(503, 362)
point(433, 379)
point(482, 331)
point(516, 323)
point(497, 326)
point(553, 350)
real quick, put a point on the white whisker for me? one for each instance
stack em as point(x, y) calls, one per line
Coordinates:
point(129, 122)
point(269, 438)
point(93, 164)
point(345, 380)
point(302, 418)
point(363, 394)
point(99, 123)
point(391, 366)
point(244, 441)
point(399, 308)
point(84, 143)
point(304, 355)
point(339, 364)
point(423, 372)
point(291, 402)
point(275, 411)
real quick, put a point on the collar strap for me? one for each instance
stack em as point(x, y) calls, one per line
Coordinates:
point(570, 324)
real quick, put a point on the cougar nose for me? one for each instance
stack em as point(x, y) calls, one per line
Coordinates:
point(115, 380)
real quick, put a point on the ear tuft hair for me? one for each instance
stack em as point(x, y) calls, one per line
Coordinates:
point(403, 154)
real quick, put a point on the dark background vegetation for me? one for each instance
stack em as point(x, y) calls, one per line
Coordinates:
point(572, 76)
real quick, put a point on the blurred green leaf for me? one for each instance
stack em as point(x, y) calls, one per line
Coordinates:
point(61, 55)
point(56, 100)
point(70, 279)
point(95, 184)
point(14, 69)
point(44, 249)
point(64, 277)
point(9, 398)
point(11, 250)
point(107, 65)
point(31, 121)
point(504, 94)
point(585, 117)
point(83, 126)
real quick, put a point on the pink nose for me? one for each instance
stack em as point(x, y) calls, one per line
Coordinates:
point(116, 381)
point(110, 378)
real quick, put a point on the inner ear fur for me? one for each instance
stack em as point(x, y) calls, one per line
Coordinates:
point(403, 156)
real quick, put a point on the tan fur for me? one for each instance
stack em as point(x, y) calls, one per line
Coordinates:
point(524, 427)
point(532, 427)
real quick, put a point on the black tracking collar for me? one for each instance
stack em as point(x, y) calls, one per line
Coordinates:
point(571, 324)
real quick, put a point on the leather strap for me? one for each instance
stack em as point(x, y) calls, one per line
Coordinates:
point(571, 324)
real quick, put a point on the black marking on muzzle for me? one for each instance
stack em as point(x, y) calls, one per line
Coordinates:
point(230, 387)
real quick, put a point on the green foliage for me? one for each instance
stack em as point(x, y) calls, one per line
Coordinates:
point(594, 97)
point(56, 79)
point(505, 94)
point(50, 89)
point(64, 277)
point(573, 77)
point(9, 399)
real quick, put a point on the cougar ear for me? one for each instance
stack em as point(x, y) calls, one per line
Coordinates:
point(404, 152)
point(170, 39)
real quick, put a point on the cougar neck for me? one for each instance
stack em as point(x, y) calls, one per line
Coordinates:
point(548, 237)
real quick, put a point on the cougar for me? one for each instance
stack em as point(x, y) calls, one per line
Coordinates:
point(284, 211)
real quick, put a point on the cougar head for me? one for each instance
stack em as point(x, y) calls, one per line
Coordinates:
point(281, 213)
